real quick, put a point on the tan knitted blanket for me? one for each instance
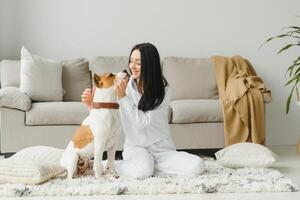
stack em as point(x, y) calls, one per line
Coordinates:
point(242, 93)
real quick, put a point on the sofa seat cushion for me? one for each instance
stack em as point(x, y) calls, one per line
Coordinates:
point(196, 110)
point(56, 113)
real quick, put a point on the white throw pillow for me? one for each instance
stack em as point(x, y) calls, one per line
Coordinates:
point(246, 154)
point(40, 153)
point(32, 165)
point(40, 78)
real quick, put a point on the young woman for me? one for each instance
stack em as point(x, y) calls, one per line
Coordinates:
point(144, 103)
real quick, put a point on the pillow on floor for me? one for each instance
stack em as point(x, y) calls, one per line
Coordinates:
point(32, 165)
point(246, 154)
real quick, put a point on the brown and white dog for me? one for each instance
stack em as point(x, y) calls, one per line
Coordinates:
point(98, 132)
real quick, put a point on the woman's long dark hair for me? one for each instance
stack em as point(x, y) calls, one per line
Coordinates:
point(151, 78)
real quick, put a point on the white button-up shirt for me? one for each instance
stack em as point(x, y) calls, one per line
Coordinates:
point(143, 128)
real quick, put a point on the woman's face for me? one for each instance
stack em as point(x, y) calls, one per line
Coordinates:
point(135, 64)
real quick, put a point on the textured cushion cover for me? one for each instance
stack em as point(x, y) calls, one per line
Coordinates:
point(246, 154)
point(41, 78)
point(10, 73)
point(40, 153)
point(75, 78)
point(190, 78)
point(56, 113)
point(196, 110)
point(13, 97)
point(32, 165)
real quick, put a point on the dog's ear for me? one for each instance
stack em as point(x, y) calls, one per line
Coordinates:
point(97, 78)
point(111, 75)
point(126, 72)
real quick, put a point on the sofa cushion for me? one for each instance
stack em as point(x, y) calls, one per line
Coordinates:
point(56, 113)
point(76, 77)
point(41, 78)
point(190, 78)
point(196, 110)
point(102, 64)
point(10, 73)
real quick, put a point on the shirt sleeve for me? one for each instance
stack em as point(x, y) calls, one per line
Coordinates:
point(140, 118)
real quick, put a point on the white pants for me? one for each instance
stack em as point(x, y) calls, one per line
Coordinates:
point(161, 157)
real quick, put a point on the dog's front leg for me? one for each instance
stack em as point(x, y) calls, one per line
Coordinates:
point(111, 154)
point(99, 149)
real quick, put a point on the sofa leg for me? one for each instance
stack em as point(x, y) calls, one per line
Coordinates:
point(202, 152)
point(7, 155)
point(118, 155)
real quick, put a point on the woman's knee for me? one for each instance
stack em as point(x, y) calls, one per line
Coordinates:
point(139, 166)
point(196, 165)
point(143, 172)
point(144, 166)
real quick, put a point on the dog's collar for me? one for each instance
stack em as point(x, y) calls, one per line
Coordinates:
point(106, 105)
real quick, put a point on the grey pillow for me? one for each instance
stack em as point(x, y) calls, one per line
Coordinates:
point(41, 78)
point(75, 78)
point(13, 97)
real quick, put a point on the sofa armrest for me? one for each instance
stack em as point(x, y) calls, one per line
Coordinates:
point(13, 97)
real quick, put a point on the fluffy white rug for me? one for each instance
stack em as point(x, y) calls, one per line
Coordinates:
point(215, 179)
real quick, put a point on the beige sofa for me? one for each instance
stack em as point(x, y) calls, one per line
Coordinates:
point(195, 112)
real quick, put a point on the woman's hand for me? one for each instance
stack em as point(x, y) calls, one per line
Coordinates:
point(87, 98)
point(121, 87)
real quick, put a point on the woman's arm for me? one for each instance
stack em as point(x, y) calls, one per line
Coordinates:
point(140, 118)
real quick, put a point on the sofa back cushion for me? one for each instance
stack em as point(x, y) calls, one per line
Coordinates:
point(76, 77)
point(190, 78)
point(105, 64)
point(40, 77)
point(10, 73)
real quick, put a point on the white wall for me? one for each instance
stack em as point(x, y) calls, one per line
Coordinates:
point(8, 27)
point(65, 29)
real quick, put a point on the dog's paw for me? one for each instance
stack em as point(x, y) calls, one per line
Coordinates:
point(69, 176)
point(116, 176)
point(98, 171)
point(69, 179)
point(98, 175)
point(111, 177)
point(110, 170)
